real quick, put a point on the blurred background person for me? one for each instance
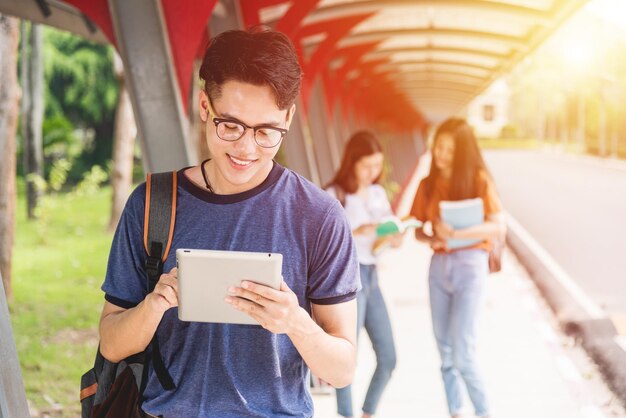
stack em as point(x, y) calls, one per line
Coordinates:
point(356, 186)
point(457, 276)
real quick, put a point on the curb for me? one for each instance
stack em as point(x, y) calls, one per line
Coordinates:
point(577, 317)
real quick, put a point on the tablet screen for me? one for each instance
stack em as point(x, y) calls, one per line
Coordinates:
point(204, 277)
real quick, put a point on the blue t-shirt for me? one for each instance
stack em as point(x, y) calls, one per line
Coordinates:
point(227, 370)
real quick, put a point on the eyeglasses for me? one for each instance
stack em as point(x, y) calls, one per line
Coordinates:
point(232, 130)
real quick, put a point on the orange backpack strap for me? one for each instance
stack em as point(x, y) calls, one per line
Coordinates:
point(158, 230)
point(159, 221)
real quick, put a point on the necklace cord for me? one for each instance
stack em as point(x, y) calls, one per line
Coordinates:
point(205, 177)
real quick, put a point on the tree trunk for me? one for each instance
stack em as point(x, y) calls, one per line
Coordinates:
point(25, 81)
point(9, 105)
point(32, 111)
point(123, 147)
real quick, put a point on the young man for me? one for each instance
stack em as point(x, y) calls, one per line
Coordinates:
point(242, 200)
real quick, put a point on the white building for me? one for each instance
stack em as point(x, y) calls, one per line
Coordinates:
point(488, 113)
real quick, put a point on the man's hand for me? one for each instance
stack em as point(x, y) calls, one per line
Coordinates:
point(165, 293)
point(275, 310)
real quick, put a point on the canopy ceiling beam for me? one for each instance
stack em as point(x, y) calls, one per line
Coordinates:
point(436, 75)
point(384, 52)
point(436, 91)
point(437, 102)
point(458, 64)
point(430, 85)
point(364, 6)
point(62, 16)
point(434, 82)
point(518, 43)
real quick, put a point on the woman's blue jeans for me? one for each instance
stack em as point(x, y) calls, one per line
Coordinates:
point(372, 314)
point(456, 282)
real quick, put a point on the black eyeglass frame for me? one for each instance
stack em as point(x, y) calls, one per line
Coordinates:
point(217, 121)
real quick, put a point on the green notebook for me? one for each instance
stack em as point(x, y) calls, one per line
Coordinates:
point(393, 225)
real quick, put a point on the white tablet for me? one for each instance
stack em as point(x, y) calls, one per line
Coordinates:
point(204, 277)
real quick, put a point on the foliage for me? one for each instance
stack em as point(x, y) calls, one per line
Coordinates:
point(81, 96)
point(508, 143)
point(80, 78)
point(510, 130)
point(57, 300)
point(572, 89)
point(60, 139)
point(58, 175)
point(91, 181)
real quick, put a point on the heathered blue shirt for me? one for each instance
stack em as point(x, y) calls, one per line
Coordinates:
point(224, 370)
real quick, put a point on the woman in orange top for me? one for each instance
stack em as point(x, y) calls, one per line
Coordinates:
point(457, 276)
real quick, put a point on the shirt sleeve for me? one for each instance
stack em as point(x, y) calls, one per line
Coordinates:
point(125, 283)
point(333, 270)
point(419, 203)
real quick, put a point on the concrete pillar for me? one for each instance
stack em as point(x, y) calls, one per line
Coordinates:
point(326, 151)
point(297, 147)
point(342, 131)
point(162, 126)
point(12, 395)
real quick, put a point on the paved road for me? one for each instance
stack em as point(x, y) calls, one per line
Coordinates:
point(575, 207)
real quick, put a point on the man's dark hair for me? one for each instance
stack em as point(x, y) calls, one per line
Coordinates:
point(258, 56)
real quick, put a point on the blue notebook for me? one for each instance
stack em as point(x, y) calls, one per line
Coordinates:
point(461, 214)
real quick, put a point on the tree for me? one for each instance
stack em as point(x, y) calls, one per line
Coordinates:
point(9, 105)
point(32, 110)
point(81, 89)
point(125, 132)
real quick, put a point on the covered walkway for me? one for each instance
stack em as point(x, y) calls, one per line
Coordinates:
point(395, 67)
point(531, 369)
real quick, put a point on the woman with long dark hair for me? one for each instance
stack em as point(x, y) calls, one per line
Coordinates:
point(457, 276)
point(356, 186)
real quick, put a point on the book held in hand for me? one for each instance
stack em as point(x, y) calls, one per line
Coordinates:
point(460, 214)
point(392, 225)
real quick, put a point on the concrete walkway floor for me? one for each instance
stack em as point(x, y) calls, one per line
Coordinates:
point(531, 368)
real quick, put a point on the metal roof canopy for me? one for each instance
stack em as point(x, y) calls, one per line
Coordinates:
point(55, 13)
point(382, 59)
point(424, 45)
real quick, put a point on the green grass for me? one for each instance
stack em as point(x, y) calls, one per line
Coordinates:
point(58, 267)
point(506, 143)
point(572, 147)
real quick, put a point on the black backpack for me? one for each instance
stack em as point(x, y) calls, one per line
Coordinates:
point(115, 389)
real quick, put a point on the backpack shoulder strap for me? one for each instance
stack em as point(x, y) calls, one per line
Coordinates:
point(158, 230)
point(159, 220)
